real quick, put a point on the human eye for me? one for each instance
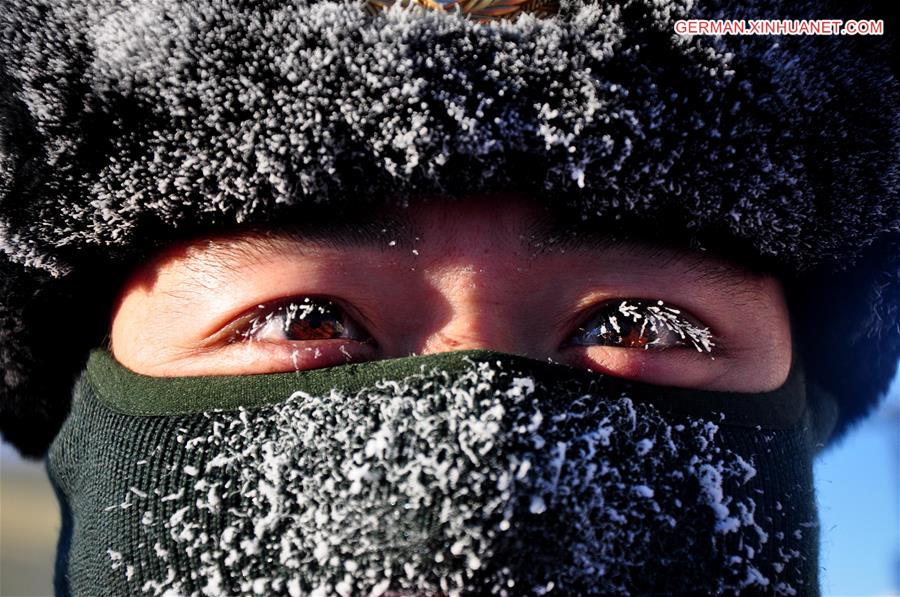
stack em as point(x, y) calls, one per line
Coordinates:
point(301, 319)
point(642, 324)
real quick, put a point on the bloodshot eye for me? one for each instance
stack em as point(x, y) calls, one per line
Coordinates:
point(635, 323)
point(296, 320)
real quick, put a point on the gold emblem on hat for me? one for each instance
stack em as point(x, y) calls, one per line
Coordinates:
point(479, 10)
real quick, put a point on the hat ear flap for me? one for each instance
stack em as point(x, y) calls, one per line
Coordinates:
point(847, 328)
point(47, 327)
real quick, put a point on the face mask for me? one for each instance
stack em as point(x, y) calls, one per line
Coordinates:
point(457, 473)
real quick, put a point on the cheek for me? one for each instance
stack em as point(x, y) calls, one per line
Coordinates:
point(150, 331)
point(759, 347)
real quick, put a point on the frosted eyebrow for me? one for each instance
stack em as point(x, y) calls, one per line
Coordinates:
point(259, 243)
point(389, 231)
point(726, 277)
point(378, 229)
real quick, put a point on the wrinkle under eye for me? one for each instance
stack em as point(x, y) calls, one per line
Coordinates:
point(638, 323)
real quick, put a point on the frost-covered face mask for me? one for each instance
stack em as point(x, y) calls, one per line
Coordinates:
point(458, 473)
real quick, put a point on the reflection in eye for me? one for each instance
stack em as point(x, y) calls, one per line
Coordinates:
point(642, 324)
point(298, 320)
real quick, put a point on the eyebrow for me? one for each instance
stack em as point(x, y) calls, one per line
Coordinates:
point(392, 230)
point(379, 230)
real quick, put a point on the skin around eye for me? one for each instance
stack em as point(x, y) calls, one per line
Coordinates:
point(638, 323)
point(646, 340)
point(474, 274)
point(296, 333)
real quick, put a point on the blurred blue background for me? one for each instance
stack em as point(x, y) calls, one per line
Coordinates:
point(858, 484)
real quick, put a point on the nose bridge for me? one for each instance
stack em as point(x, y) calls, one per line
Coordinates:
point(475, 263)
point(482, 305)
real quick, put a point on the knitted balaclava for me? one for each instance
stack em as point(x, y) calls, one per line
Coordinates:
point(458, 473)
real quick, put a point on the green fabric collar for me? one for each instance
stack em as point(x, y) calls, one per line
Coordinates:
point(130, 393)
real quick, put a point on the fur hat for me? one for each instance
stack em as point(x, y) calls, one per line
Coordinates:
point(128, 124)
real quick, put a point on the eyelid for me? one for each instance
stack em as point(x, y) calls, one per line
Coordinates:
point(226, 333)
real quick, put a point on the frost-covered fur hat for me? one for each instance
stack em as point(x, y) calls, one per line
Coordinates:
point(126, 125)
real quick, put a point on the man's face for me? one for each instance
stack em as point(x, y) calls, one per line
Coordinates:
point(439, 277)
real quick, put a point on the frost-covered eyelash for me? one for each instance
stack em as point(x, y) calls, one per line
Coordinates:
point(671, 318)
point(253, 325)
point(659, 319)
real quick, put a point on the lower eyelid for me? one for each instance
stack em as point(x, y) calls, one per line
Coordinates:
point(282, 357)
point(682, 366)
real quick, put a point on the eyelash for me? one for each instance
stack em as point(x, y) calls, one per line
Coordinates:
point(613, 322)
point(616, 321)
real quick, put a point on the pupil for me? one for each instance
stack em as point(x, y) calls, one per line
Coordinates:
point(634, 339)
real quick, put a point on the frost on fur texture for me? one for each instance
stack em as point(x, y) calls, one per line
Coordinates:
point(121, 117)
point(482, 482)
point(127, 123)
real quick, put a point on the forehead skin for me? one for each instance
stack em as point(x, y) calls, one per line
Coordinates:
point(434, 277)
